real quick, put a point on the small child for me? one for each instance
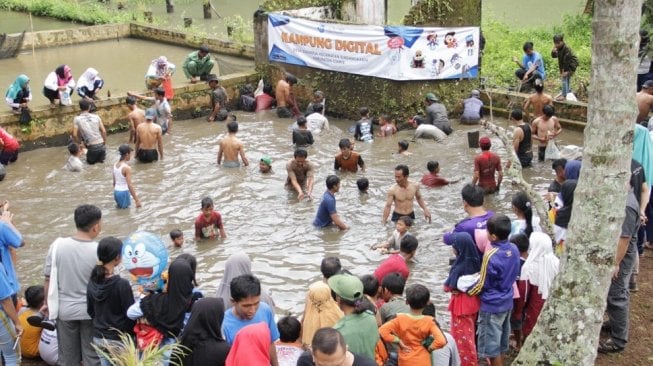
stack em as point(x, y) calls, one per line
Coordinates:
point(390, 246)
point(402, 148)
point(432, 179)
point(29, 341)
point(410, 331)
point(517, 318)
point(363, 184)
point(265, 165)
point(208, 222)
point(397, 262)
point(74, 164)
point(177, 237)
point(122, 179)
point(289, 347)
point(387, 128)
point(302, 137)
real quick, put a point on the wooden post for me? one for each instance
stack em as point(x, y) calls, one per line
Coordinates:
point(207, 10)
point(188, 22)
point(170, 7)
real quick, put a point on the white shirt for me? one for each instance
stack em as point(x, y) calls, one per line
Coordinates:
point(316, 122)
point(52, 84)
point(429, 132)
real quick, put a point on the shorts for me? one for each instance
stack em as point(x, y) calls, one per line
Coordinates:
point(221, 116)
point(52, 95)
point(396, 216)
point(469, 121)
point(526, 159)
point(231, 164)
point(541, 152)
point(96, 154)
point(284, 112)
point(147, 155)
point(7, 157)
point(122, 199)
point(493, 333)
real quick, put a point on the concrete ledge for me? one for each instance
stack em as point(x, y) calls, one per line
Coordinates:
point(63, 37)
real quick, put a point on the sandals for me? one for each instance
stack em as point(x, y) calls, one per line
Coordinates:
point(609, 347)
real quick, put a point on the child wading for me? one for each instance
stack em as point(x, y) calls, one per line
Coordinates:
point(122, 179)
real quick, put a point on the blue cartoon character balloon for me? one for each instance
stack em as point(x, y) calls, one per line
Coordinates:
point(145, 256)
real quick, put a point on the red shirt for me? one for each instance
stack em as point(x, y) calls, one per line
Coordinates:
point(433, 180)
point(487, 164)
point(263, 102)
point(208, 228)
point(10, 142)
point(394, 263)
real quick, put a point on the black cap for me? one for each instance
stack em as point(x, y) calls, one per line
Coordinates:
point(648, 84)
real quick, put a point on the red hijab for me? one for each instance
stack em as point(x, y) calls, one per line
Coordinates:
point(251, 346)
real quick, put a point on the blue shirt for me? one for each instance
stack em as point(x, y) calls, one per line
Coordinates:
point(326, 209)
point(9, 238)
point(6, 288)
point(499, 272)
point(534, 58)
point(232, 324)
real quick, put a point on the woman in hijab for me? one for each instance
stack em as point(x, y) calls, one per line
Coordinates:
point(89, 84)
point(463, 308)
point(237, 265)
point(252, 346)
point(563, 215)
point(57, 83)
point(19, 93)
point(320, 310)
point(159, 70)
point(203, 335)
point(540, 269)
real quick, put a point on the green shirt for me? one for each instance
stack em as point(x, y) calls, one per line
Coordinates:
point(194, 56)
point(360, 332)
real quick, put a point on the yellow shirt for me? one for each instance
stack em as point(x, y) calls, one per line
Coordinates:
point(29, 342)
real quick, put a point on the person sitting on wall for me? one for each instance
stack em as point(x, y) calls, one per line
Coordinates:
point(19, 94)
point(530, 68)
point(472, 109)
point(89, 84)
point(198, 64)
point(159, 70)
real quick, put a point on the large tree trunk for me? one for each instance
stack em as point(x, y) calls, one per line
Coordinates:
point(568, 328)
point(589, 7)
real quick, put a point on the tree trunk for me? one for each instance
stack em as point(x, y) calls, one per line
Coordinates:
point(207, 10)
point(589, 7)
point(568, 328)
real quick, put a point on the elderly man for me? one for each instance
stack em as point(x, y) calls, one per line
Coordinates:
point(198, 64)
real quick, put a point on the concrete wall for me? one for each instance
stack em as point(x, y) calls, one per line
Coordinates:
point(64, 37)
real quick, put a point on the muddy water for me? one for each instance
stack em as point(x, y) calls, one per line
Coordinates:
point(261, 218)
point(15, 22)
point(122, 64)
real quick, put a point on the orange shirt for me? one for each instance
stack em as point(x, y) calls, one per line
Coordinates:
point(29, 342)
point(413, 330)
point(350, 164)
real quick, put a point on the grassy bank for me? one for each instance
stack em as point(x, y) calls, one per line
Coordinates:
point(91, 12)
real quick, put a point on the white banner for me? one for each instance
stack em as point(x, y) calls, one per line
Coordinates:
point(390, 52)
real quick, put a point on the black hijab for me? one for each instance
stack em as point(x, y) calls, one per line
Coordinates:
point(165, 311)
point(203, 335)
point(567, 195)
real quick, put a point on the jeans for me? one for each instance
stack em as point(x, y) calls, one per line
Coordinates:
point(566, 88)
point(619, 298)
point(493, 333)
point(10, 354)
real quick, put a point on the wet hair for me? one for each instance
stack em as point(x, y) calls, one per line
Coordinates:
point(403, 168)
point(176, 234)
point(131, 100)
point(232, 127)
point(385, 117)
point(538, 85)
point(344, 143)
point(192, 262)
point(327, 340)
point(394, 283)
point(516, 114)
point(86, 216)
point(301, 121)
point(332, 181)
point(108, 249)
point(370, 285)
point(363, 184)
point(244, 286)
point(548, 110)
point(408, 244)
point(267, 89)
point(317, 108)
point(417, 296)
point(528, 46)
point(160, 92)
point(34, 296)
point(558, 163)
point(207, 202)
point(330, 266)
point(300, 153)
point(364, 111)
point(73, 148)
point(291, 79)
point(500, 226)
point(432, 166)
point(289, 329)
point(521, 241)
point(403, 144)
point(559, 37)
point(85, 105)
point(473, 195)
point(521, 202)
point(406, 220)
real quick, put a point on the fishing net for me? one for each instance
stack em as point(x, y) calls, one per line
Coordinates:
point(10, 44)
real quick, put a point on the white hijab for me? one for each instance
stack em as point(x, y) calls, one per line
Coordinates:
point(542, 265)
point(88, 78)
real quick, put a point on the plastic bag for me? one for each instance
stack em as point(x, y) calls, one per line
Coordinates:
point(25, 116)
point(571, 97)
point(169, 90)
point(259, 88)
point(65, 97)
point(552, 152)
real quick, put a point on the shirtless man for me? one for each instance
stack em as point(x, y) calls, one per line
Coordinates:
point(231, 147)
point(135, 117)
point(300, 174)
point(283, 93)
point(545, 128)
point(149, 139)
point(644, 101)
point(538, 100)
point(402, 194)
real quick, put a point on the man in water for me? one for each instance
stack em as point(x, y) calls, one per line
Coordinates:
point(487, 165)
point(265, 165)
point(426, 131)
point(402, 195)
point(521, 139)
point(149, 139)
point(198, 64)
point(231, 147)
point(285, 103)
point(436, 113)
point(326, 213)
point(162, 107)
point(88, 129)
point(538, 100)
point(136, 116)
point(219, 99)
point(472, 109)
point(545, 128)
point(300, 174)
point(364, 130)
point(644, 101)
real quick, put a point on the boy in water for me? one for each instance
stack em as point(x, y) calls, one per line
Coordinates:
point(208, 222)
point(136, 116)
point(122, 179)
point(231, 147)
point(177, 237)
point(347, 159)
point(390, 246)
point(402, 148)
point(432, 179)
point(74, 163)
point(302, 136)
point(545, 128)
point(363, 184)
point(265, 165)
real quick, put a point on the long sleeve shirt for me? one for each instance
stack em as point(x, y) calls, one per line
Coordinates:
point(499, 271)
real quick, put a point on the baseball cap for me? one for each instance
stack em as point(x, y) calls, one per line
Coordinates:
point(431, 97)
point(647, 84)
point(125, 149)
point(476, 93)
point(347, 287)
point(266, 160)
point(150, 113)
point(485, 141)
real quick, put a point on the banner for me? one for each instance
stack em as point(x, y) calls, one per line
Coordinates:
point(389, 52)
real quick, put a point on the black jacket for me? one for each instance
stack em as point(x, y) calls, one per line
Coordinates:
point(567, 61)
point(107, 303)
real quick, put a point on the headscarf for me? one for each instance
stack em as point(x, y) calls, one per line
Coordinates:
point(320, 311)
point(203, 334)
point(165, 311)
point(567, 196)
point(468, 260)
point(63, 75)
point(237, 265)
point(251, 346)
point(572, 169)
point(642, 150)
point(542, 265)
point(88, 79)
point(160, 65)
point(19, 84)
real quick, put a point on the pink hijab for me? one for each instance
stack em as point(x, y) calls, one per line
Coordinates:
point(251, 346)
point(64, 74)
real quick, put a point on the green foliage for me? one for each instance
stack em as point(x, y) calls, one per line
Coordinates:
point(127, 354)
point(504, 42)
point(275, 5)
point(89, 13)
point(431, 10)
point(241, 29)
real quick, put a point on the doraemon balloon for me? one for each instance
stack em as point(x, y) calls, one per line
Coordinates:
point(145, 256)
